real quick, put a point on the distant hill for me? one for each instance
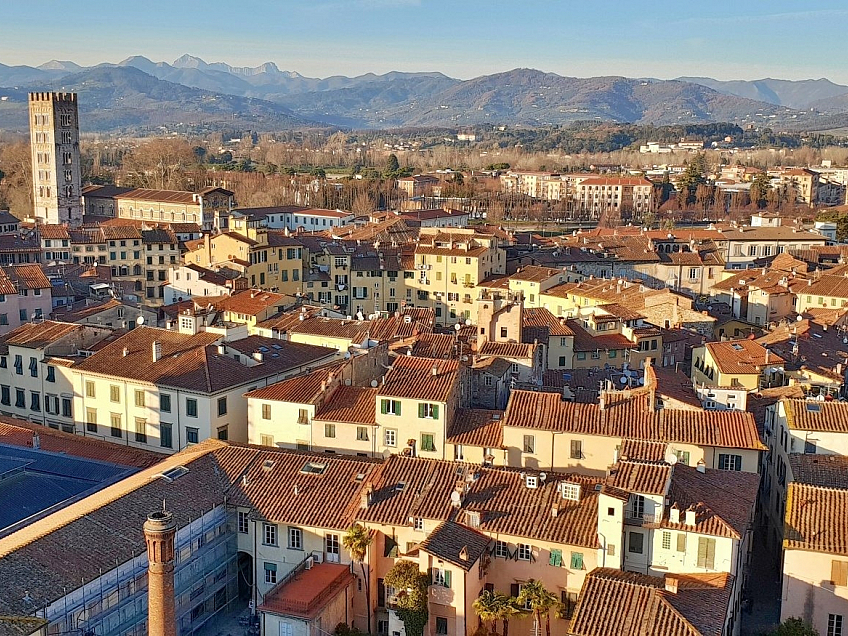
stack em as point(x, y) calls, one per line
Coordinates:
point(791, 93)
point(141, 93)
point(114, 98)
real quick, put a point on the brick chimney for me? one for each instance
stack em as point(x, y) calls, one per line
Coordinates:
point(159, 533)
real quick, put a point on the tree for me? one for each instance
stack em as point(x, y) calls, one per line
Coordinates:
point(488, 606)
point(357, 540)
point(691, 178)
point(392, 166)
point(794, 627)
point(16, 182)
point(160, 164)
point(411, 605)
point(540, 600)
point(760, 186)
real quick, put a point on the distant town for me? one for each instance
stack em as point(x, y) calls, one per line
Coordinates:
point(296, 385)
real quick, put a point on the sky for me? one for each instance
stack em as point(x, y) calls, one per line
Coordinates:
point(461, 38)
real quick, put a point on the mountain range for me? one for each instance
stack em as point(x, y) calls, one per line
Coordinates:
point(138, 94)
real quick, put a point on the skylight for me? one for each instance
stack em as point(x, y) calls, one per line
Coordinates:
point(813, 407)
point(314, 468)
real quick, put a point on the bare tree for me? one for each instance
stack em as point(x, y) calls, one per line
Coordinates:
point(16, 182)
point(160, 164)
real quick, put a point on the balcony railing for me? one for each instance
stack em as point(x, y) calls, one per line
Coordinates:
point(638, 517)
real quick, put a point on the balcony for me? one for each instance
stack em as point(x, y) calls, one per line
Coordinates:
point(637, 517)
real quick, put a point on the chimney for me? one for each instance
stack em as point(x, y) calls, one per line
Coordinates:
point(159, 533)
point(157, 351)
point(36, 441)
point(690, 516)
point(366, 497)
point(126, 351)
point(671, 584)
point(602, 400)
point(701, 467)
point(767, 356)
point(674, 514)
point(434, 371)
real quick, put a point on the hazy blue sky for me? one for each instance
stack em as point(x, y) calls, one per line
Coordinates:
point(462, 38)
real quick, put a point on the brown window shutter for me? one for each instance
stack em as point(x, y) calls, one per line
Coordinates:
point(839, 572)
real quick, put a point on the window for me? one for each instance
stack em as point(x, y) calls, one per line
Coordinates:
point(529, 444)
point(501, 550)
point(682, 457)
point(666, 540)
point(636, 543)
point(839, 572)
point(441, 577)
point(329, 430)
point(20, 398)
point(223, 432)
point(266, 411)
point(271, 577)
point(390, 407)
point(139, 398)
point(33, 367)
point(295, 539)
point(35, 401)
point(504, 332)
point(729, 462)
point(192, 435)
point(6, 395)
point(576, 449)
point(191, 407)
point(581, 355)
point(361, 433)
point(576, 560)
point(222, 406)
point(428, 442)
point(525, 552)
point(681, 542)
point(165, 403)
point(569, 603)
point(165, 435)
point(141, 430)
point(19, 365)
point(418, 524)
point(442, 623)
point(115, 424)
point(430, 411)
point(391, 437)
point(114, 393)
point(489, 380)
point(91, 420)
point(332, 547)
point(555, 558)
point(269, 534)
point(706, 553)
point(266, 440)
point(834, 625)
point(51, 374)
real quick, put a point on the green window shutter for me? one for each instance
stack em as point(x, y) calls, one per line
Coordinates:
point(420, 410)
point(447, 578)
point(435, 411)
point(397, 407)
point(576, 560)
point(556, 558)
point(384, 406)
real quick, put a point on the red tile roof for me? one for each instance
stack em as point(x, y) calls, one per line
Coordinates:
point(815, 519)
point(742, 356)
point(477, 427)
point(812, 415)
point(352, 404)
point(421, 379)
point(302, 389)
point(306, 595)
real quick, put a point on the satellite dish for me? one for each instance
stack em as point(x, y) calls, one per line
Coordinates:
point(455, 497)
point(374, 384)
point(670, 458)
point(543, 476)
point(458, 326)
point(623, 379)
point(799, 318)
point(468, 322)
point(140, 320)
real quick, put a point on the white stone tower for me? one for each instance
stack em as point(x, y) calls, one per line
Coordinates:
point(54, 140)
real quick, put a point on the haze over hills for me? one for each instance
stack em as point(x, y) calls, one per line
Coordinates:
point(139, 93)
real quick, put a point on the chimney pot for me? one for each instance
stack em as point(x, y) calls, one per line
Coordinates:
point(674, 514)
point(671, 584)
point(690, 517)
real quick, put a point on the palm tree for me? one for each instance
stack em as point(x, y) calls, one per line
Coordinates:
point(509, 609)
point(357, 541)
point(540, 600)
point(488, 606)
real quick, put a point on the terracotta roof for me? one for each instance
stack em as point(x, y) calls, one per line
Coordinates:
point(120, 232)
point(828, 471)
point(76, 314)
point(39, 335)
point(251, 302)
point(158, 235)
point(535, 273)
point(647, 478)
point(811, 415)
point(353, 404)
point(457, 544)
point(29, 276)
point(616, 181)
point(165, 196)
point(354, 330)
point(815, 519)
point(477, 427)
point(507, 349)
point(631, 418)
point(585, 341)
point(412, 377)
point(616, 603)
point(302, 389)
point(15, 432)
point(723, 500)
point(542, 318)
point(192, 362)
point(53, 232)
point(308, 592)
point(742, 356)
point(434, 345)
point(643, 450)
